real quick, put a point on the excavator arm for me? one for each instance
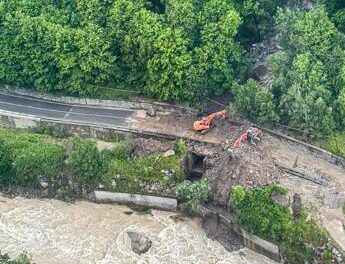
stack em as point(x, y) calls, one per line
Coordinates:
point(205, 123)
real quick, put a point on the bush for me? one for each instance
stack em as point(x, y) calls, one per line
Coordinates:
point(85, 164)
point(38, 162)
point(336, 144)
point(6, 161)
point(257, 213)
point(191, 195)
point(121, 151)
point(22, 259)
point(255, 102)
point(180, 147)
point(238, 194)
point(300, 237)
point(34, 157)
point(67, 194)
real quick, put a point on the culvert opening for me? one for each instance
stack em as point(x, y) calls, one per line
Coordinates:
point(197, 168)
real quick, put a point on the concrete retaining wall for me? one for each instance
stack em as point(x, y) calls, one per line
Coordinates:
point(141, 103)
point(250, 241)
point(162, 203)
point(10, 119)
point(260, 245)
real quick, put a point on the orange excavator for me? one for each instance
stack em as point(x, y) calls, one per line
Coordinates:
point(252, 134)
point(204, 124)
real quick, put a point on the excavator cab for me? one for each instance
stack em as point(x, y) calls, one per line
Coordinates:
point(204, 124)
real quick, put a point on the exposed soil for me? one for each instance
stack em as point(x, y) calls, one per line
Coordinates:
point(215, 230)
point(146, 146)
point(250, 166)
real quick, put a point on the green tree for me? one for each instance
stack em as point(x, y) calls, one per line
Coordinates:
point(168, 66)
point(307, 73)
point(218, 58)
point(256, 102)
point(258, 17)
point(336, 11)
point(85, 163)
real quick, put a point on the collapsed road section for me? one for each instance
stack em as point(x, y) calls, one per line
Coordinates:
point(272, 160)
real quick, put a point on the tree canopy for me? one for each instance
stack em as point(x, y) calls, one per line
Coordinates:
point(178, 50)
point(168, 49)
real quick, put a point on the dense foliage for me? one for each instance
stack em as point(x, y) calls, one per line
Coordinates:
point(85, 163)
point(6, 161)
point(335, 144)
point(256, 102)
point(308, 83)
point(169, 49)
point(22, 259)
point(192, 195)
point(29, 158)
point(259, 214)
point(336, 11)
point(308, 77)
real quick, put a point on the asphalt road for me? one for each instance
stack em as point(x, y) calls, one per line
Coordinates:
point(58, 111)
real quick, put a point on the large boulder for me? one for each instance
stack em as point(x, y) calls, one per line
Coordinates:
point(140, 244)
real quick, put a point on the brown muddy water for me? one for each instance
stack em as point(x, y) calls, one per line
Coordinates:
point(54, 232)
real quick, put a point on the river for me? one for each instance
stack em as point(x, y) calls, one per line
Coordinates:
point(54, 232)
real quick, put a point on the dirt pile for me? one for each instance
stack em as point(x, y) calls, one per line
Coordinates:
point(250, 166)
point(146, 146)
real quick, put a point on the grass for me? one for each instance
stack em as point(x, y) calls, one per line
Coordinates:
point(128, 175)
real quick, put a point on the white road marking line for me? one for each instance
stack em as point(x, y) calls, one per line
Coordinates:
point(59, 111)
point(66, 104)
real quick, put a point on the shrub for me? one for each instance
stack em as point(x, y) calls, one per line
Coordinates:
point(192, 195)
point(22, 259)
point(258, 214)
point(327, 256)
point(33, 157)
point(238, 194)
point(38, 161)
point(336, 144)
point(300, 237)
point(66, 194)
point(85, 163)
point(255, 102)
point(121, 151)
point(180, 147)
point(6, 161)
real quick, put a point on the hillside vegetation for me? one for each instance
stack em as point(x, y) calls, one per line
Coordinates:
point(168, 49)
point(183, 50)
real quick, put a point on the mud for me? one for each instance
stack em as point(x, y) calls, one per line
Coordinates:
point(58, 233)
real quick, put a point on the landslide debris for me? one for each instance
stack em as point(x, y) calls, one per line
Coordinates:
point(250, 166)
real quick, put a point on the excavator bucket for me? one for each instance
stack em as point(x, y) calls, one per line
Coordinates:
point(199, 126)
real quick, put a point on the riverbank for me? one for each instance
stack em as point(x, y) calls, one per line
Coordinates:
point(56, 232)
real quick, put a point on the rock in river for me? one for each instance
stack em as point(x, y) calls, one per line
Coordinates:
point(140, 244)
